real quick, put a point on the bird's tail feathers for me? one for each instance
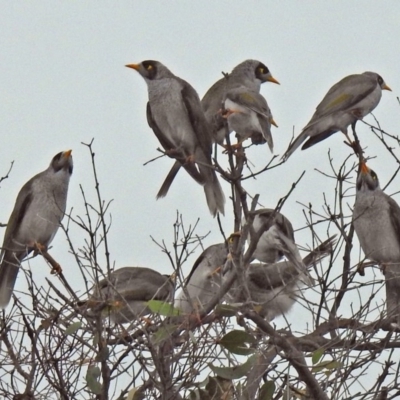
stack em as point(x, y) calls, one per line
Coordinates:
point(295, 144)
point(320, 252)
point(214, 195)
point(392, 281)
point(8, 275)
point(191, 170)
point(289, 248)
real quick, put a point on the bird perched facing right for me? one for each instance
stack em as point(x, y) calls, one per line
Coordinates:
point(249, 74)
point(174, 113)
point(131, 288)
point(204, 280)
point(35, 219)
point(249, 116)
point(376, 219)
point(349, 100)
point(275, 287)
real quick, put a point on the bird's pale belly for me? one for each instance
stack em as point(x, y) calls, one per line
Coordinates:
point(376, 238)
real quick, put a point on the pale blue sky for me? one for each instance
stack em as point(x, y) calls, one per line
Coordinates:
point(63, 81)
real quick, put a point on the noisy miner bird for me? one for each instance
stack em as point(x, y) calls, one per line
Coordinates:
point(349, 100)
point(35, 219)
point(128, 290)
point(376, 219)
point(175, 115)
point(204, 280)
point(276, 240)
point(275, 287)
point(249, 74)
point(249, 116)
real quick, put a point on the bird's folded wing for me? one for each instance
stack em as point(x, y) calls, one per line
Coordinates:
point(199, 123)
point(345, 94)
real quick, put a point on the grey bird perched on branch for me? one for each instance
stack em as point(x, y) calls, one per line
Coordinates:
point(175, 115)
point(35, 219)
point(276, 240)
point(249, 116)
point(249, 74)
point(349, 100)
point(204, 280)
point(127, 292)
point(275, 287)
point(376, 219)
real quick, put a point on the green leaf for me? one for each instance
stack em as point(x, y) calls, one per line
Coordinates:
point(73, 328)
point(92, 375)
point(267, 391)
point(163, 333)
point(226, 310)
point(317, 356)
point(329, 365)
point(135, 394)
point(234, 372)
point(163, 308)
point(238, 342)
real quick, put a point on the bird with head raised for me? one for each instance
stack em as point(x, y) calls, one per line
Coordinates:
point(346, 102)
point(35, 219)
point(376, 219)
point(174, 113)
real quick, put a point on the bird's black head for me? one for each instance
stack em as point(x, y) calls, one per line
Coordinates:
point(151, 70)
point(62, 161)
point(263, 74)
point(261, 70)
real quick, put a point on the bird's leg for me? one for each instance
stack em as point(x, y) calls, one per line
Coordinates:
point(148, 322)
point(175, 153)
point(382, 267)
point(190, 159)
point(216, 271)
point(42, 250)
point(361, 267)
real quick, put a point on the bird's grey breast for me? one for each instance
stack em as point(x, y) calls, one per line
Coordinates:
point(374, 227)
point(169, 112)
point(45, 212)
point(368, 103)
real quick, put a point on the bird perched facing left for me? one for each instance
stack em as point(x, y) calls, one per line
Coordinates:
point(376, 219)
point(132, 288)
point(204, 280)
point(249, 116)
point(349, 100)
point(35, 219)
point(175, 115)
